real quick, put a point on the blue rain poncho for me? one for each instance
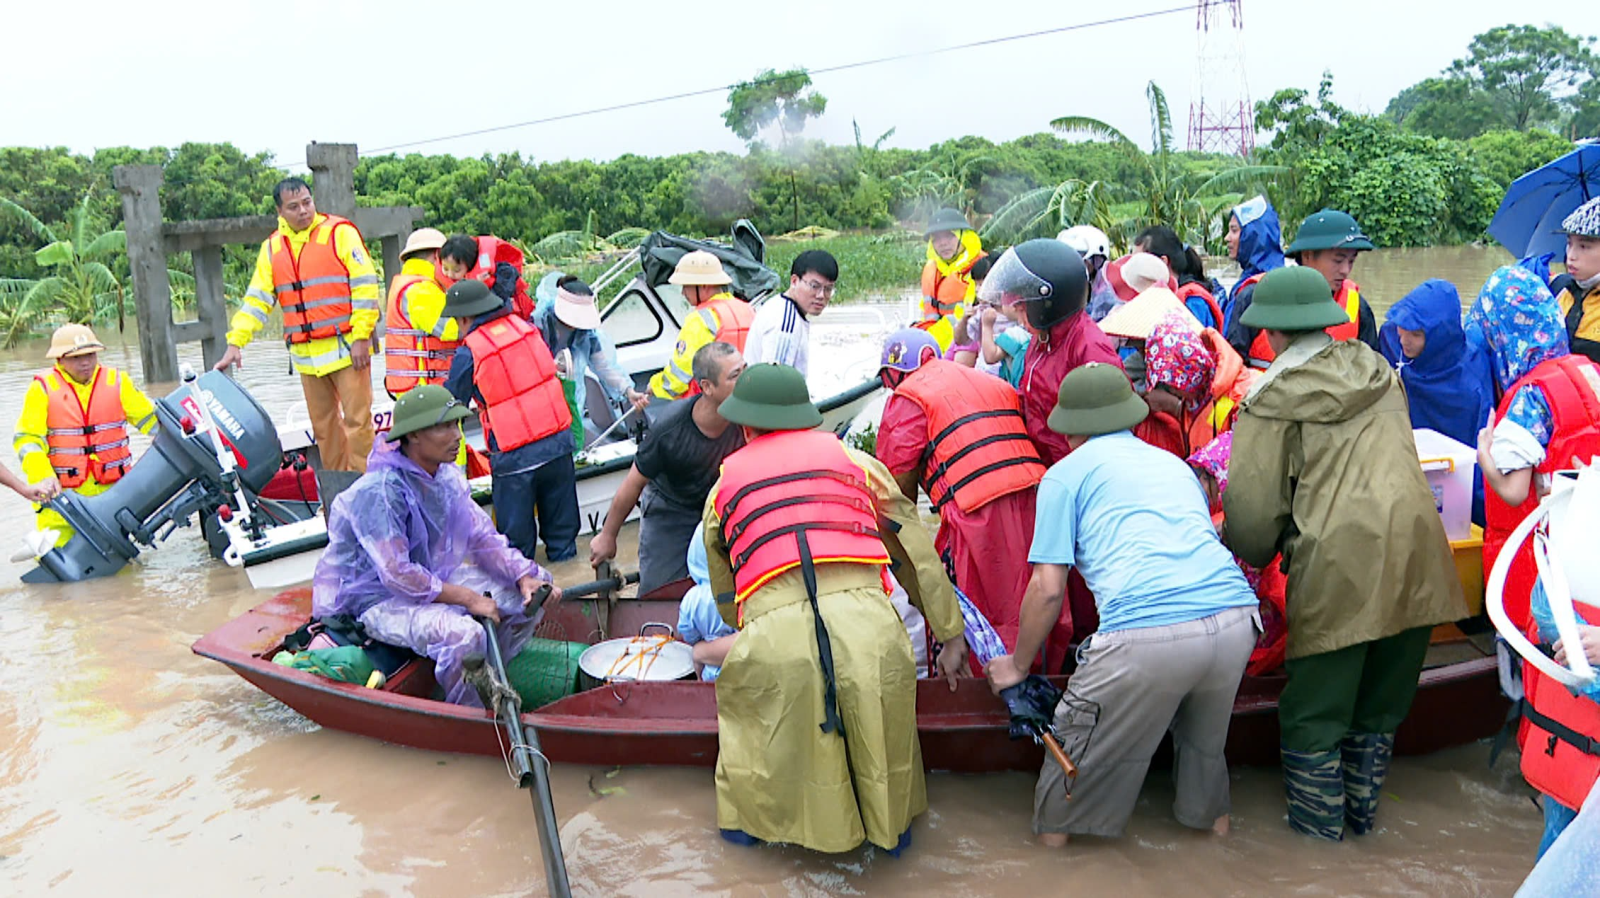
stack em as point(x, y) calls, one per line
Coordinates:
point(1260, 251)
point(395, 537)
point(1442, 383)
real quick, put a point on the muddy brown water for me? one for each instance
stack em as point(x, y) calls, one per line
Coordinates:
point(129, 766)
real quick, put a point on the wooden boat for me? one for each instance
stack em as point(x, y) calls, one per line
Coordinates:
point(675, 723)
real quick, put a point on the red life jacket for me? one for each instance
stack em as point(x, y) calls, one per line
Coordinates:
point(1559, 735)
point(941, 293)
point(87, 441)
point(734, 317)
point(1195, 288)
point(522, 396)
point(1261, 354)
point(491, 252)
point(314, 289)
point(978, 447)
point(1571, 388)
point(791, 498)
point(411, 357)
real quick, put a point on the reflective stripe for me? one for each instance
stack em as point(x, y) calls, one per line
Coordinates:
point(84, 431)
point(364, 305)
point(310, 326)
point(319, 303)
point(318, 361)
point(402, 332)
point(310, 282)
point(439, 325)
point(254, 312)
point(24, 449)
point(682, 376)
point(257, 293)
point(421, 353)
point(89, 450)
point(145, 420)
point(362, 280)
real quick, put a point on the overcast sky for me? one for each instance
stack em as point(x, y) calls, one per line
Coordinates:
point(275, 75)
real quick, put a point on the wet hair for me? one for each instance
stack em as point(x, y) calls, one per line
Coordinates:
point(980, 269)
point(460, 248)
point(574, 285)
point(815, 261)
point(288, 185)
point(707, 365)
point(1160, 240)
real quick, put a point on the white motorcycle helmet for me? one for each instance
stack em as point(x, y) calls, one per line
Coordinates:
point(1088, 240)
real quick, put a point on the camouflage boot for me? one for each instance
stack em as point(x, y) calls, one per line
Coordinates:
point(1315, 788)
point(1366, 763)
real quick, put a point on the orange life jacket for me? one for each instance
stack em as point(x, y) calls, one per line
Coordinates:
point(734, 317)
point(941, 293)
point(1195, 288)
point(1571, 388)
point(978, 447)
point(513, 371)
point(412, 357)
point(1559, 735)
point(314, 289)
point(1261, 354)
point(491, 252)
point(793, 499)
point(86, 441)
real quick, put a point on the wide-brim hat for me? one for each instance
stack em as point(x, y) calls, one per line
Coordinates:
point(423, 240)
point(470, 297)
point(1328, 229)
point(1096, 398)
point(770, 396)
point(422, 407)
point(1135, 273)
point(699, 268)
point(947, 220)
point(73, 339)
point(1138, 316)
point(1296, 298)
point(577, 310)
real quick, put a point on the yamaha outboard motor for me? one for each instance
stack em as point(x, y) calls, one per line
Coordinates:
point(215, 443)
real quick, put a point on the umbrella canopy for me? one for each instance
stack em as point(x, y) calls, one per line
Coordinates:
point(1529, 220)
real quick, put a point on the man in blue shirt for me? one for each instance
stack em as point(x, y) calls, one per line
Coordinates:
point(1176, 618)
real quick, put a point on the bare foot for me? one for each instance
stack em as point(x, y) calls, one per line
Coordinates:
point(1220, 827)
point(1053, 840)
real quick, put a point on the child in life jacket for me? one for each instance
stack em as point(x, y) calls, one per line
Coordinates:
point(1210, 465)
point(1558, 815)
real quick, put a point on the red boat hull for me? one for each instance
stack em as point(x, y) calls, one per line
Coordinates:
point(675, 723)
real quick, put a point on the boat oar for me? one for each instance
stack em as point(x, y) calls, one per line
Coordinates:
point(528, 764)
point(614, 425)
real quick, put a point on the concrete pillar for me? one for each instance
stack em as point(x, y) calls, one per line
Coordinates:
point(211, 303)
point(140, 186)
point(334, 167)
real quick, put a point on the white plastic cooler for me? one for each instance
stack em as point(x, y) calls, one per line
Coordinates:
point(1450, 467)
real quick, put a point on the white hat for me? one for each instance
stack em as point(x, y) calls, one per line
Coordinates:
point(577, 310)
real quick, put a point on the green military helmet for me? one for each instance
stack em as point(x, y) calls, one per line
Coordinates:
point(422, 407)
point(469, 297)
point(947, 219)
point(1328, 229)
point(1094, 399)
point(1294, 298)
point(770, 396)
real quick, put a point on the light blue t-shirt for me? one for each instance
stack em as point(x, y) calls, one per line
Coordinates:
point(1014, 343)
point(1133, 520)
point(698, 618)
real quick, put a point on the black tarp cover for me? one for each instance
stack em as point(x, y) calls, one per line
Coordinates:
point(659, 254)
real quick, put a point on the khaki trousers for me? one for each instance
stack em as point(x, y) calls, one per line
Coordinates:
point(339, 404)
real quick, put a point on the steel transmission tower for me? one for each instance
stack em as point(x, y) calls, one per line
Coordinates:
point(1221, 119)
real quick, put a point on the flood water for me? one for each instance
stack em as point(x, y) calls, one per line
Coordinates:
point(129, 766)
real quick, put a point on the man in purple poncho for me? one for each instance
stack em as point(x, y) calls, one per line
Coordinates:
point(412, 556)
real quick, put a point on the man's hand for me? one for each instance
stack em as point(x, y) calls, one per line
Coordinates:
point(952, 660)
point(361, 354)
point(638, 399)
point(1590, 639)
point(529, 585)
point(44, 490)
point(1003, 673)
point(480, 605)
point(232, 356)
point(602, 547)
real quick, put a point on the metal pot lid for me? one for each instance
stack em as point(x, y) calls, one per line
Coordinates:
point(655, 654)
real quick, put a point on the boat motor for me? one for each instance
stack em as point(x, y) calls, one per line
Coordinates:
point(215, 449)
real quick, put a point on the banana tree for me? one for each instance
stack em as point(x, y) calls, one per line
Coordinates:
point(81, 287)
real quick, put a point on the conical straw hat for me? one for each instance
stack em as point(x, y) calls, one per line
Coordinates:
point(1138, 316)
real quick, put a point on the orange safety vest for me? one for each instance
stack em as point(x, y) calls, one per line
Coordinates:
point(1195, 288)
point(1571, 388)
point(1261, 355)
point(86, 441)
point(314, 289)
point(413, 357)
point(513, 371)
point(491, 252)
point(978, 446)
point(794, 499)
point(941, 293)
point(1559, 735)
point(734, 317)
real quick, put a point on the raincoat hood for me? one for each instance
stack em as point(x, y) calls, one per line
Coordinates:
point(1260, 237)
point(1442, 383)
point(1347, 380)
point(1516, 324)
point(970, 250)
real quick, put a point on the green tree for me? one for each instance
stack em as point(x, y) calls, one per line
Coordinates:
point(784, 99)
point(81, 288)
point(1443, 107)
point(1505, 155)
point(1528, 73)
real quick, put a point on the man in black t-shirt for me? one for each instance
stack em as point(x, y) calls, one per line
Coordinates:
point(676, 465)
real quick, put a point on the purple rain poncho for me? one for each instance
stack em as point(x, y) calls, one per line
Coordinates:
point(394, 538)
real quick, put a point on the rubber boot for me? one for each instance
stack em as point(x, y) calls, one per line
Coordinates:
point(1314, 785)
point(1365, 759)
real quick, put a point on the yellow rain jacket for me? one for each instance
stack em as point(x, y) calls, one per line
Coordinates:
point(33, 450)
point(328, 354)
point(779, 777)
point(703, 326)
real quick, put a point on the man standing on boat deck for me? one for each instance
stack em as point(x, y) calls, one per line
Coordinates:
point(504, 367)
point(781, 332)
point(718, 316)
point(412, 556)
point(418, 339)
point(1325, 471)
point(673, 470)
point(1177, 619)
point(816, 702)
point(316, 267)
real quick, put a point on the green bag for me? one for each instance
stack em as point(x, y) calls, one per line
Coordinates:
point(347, 663)
point(545, 670)
point(570, 389)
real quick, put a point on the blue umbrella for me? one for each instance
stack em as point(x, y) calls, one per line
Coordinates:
point(1529, 220)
